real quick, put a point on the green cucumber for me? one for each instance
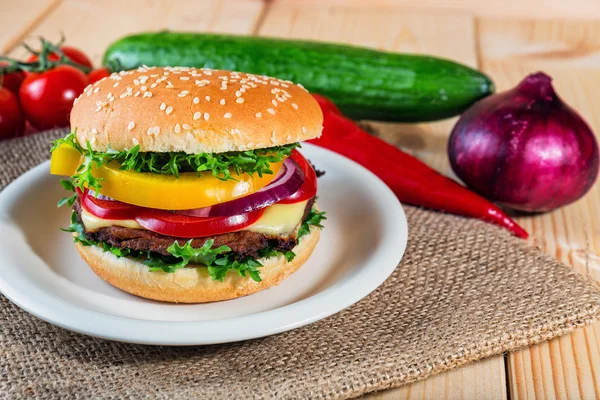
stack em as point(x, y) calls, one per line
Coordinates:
point(363, 83)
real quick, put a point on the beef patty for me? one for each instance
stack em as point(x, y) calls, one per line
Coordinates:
point(242, 243)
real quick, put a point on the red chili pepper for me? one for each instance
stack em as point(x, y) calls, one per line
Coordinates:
point(411, 180)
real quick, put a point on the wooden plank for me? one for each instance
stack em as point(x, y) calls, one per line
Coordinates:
point(92, 25)
point(486, 381)
point(395, 30)
point(538, 9)
point(567, 367)
point(19, 17)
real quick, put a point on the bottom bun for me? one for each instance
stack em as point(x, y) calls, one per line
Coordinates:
point(192, 285)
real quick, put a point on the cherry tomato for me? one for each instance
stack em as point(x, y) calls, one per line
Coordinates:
point(47, 97)
point(11, 81)
point(166, 222)
point(73, 54)
point(97, 74)
point(308, 190)
point(12, 122)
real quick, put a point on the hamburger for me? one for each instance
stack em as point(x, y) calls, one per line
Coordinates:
point(187, 183)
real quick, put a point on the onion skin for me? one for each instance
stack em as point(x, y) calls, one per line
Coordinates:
point(524, 148)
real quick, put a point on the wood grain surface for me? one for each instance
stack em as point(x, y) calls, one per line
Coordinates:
point(505, 39)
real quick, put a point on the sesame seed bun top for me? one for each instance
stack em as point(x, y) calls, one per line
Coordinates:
point(194, 111)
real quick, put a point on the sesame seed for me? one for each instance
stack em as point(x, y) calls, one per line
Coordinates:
point(295, 106)
point(183, 93)
point(271, 111)
point(94, 131)
point(129, 90)
point(98, 109)
point(289, 137)
point(136, 82)
point(154, 76)
point(177, 128)
point(143, 88)
point(137, 94)
point(258, 115)
point(250, 145)
point(273, 138)
point(196, 100)
point(131, 126)
point(149, 131)
point(238, 93)
point(209, 73)
point(96, 90)
point(156, 130)
point(206, 116)
point(186, 127)
point(135, 141)
point(222, 102)
point(284, 85)
point(224, 88)
point(165, 73)
point(274, 83)
point(240, 100)
point(163, 106)
point(148, 94)
point(184, 78)
point(116, 84)
point(274, 102)
point(153, 85)
point(207, 98)
point(170, 85)
point(227, 115)
point(123, 95)
point(304, 129)
point(197, 115)
point(169, 110)
point(242, 90)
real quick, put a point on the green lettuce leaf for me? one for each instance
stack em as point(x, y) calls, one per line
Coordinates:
point(256, 161)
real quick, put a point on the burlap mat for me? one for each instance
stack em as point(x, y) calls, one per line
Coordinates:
point(464, 290)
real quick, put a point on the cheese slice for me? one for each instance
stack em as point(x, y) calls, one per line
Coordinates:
point(278, 219)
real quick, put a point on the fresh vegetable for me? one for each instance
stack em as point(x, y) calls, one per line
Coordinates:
point(12, 122)
point(314, 218)
point(96, 74)
point(411, 180)
point(287, 182)
point(166, 222)
point(103, 173)
point(525, 149)
point(11, 80)
point(104, 208)
point(222, 165)
point(363, 83)
point(308, 190)
point(219, 261)
point(75, 55)
point(47, 97)
point(171, 224)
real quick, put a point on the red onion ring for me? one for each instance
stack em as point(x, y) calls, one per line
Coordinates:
point(284, 185)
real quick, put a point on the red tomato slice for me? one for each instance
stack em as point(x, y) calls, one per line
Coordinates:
point(308, 190)
point(166, 222)
point(106, 209)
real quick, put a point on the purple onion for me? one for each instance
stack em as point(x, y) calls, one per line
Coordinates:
point(524, 148)
point(286, 183)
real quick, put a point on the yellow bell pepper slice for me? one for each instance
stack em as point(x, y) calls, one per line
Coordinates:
point(165, 192)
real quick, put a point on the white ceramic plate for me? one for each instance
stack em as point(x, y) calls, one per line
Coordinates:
point(40, 270)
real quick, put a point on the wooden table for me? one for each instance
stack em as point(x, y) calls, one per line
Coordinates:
point(506, 39)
